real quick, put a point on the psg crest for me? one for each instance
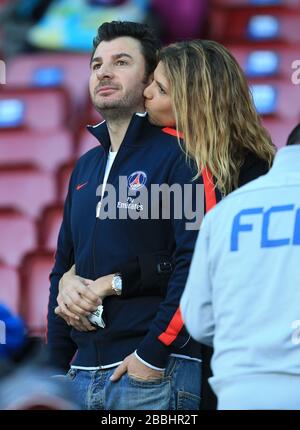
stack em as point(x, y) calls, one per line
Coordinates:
point(137, 180)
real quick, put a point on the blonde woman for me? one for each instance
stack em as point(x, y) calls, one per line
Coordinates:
point(200, 89)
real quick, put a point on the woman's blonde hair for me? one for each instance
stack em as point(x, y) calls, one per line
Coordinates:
point(214, 110)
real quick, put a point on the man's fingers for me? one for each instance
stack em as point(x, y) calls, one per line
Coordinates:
point(80, 287)
point(65, 311)
point(58, 312)
point(85, 322)
point(90, 296)
point(119, 372)
point(73, 310)
point(78, 326)
point(73, 289)
point(80, 307)
point(75, 304)
point(85, 325)
point(77, 296)
point(87, 281)
point(82, 325)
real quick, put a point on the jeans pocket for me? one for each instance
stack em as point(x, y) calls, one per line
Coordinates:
point(147, 382)
point(71, 374)
point(136, 394)
point(187, 401)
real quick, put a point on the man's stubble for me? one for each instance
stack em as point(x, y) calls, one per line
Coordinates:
point(123, 108)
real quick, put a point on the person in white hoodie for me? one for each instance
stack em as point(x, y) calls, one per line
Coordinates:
point(243, 291)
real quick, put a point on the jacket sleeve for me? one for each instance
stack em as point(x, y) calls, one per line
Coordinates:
point(60, 346)
point(141, 273)
point(196, 301)
point(167, 329)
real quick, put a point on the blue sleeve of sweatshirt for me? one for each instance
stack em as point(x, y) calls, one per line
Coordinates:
point(60, 346)
point(167, 329)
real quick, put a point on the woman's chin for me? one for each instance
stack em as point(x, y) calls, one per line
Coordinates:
point(154, 121)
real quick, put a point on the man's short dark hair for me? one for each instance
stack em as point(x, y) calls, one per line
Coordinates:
point(294, 137)
point(141, 32)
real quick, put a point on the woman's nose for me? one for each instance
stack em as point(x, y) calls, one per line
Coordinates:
point(148, 92)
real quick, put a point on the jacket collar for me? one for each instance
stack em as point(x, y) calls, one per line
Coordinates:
point(131, 138)
point(287, 159)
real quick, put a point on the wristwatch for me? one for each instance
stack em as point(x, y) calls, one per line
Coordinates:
point(116, 284)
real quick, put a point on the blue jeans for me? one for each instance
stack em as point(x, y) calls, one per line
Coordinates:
point(178, 389)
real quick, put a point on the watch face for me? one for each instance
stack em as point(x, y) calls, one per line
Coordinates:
point(118, 283)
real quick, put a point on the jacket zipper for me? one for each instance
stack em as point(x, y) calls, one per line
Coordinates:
point(96, 228)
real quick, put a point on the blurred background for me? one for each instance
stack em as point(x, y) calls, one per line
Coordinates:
point(45, 49)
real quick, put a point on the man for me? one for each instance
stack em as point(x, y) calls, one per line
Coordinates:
point(243, 294)
point(141, 357)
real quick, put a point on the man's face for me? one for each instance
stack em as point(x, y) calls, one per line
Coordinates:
point(117, 78)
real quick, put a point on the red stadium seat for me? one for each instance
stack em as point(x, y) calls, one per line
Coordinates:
point(40, 109)
point(91, 116)
point(234, 25)
point(67, 70)
point(86, 142)
point(35, 272)
point(45, 150)
point(63, 179)
point(49, 227)
point(279, 130)
point(9, 288)
point(18, 236)
point(286, 96)
point(26, 189)
point(264, 60)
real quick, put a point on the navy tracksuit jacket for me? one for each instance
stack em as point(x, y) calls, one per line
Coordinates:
point(151, 324)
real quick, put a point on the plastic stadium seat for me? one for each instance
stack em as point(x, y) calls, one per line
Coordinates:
point(278, 99)
point(90, 115)
point(18, 236)
point(63, 179)
point(255, 25)
point(86, 142)
point(9, 288)
point(41, 109)
point(35, 271)
point(67, 70)
point(26, 189)
point(265, 60)
point(49, 227)
point(45, 150)
point(279, 130)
